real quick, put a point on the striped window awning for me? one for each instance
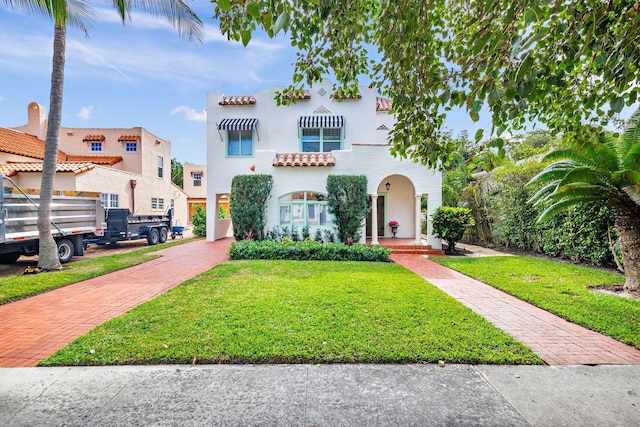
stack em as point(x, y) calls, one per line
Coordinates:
point(237, 124)
point(321, 121)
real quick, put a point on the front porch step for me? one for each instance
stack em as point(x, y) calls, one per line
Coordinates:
point(408, 249)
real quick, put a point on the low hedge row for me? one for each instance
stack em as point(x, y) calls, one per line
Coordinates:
point(307, 251)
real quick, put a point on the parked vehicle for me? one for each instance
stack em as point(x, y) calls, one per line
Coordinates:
point(75, 217)
point(122, 225)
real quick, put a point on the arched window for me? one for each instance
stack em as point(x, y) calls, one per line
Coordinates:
point(302, 208)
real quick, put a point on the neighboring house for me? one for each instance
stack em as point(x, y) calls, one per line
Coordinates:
point(195, 185)
point(300, 145)
point(130, 167)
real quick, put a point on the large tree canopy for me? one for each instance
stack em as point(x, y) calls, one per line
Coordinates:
point(563, 64)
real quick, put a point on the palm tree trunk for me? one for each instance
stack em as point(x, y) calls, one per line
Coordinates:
point(628, 229)
point(48, 251)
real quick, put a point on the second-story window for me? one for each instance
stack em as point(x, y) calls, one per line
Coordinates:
point(239, 143)
point(160, 166)
point(321, 139)
point(110, 200)
point(321, 133)
point(197, 179)
point(96, 147)
point(131, 147)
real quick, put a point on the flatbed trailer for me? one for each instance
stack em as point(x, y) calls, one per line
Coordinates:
point(122, 225)
point(75, 217)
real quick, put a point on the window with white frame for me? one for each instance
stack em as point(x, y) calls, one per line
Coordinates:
point(95, 147)
point(239, 143)
point(197, 179)
point(131, 147)
point(160, 166)
point(304, 208)
point(321, 139)
point(157, 204)
point(110, 200)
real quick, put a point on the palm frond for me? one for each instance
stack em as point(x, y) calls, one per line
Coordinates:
point(626, 177)
point(573, 155)
point(176, 12)
point(553, 172)
point(632, 132)
point(632, 157)
point(633, 191)
point(544, 193)
point(586, 175)
point(562, 205)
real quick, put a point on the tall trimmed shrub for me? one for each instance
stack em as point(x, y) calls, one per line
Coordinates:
point(199, 222)
point(248, 205)
point(347, 199)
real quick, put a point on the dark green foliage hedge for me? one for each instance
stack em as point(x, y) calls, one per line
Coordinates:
point(347, 199)
point(248, 204)
point(199, 222)
point(307, 251)
point(450, 223)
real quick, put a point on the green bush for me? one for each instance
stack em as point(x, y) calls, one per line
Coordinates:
point(307, 250)
point(199, 222)
point(248, 205)
point(347, 199)
point(450, 223)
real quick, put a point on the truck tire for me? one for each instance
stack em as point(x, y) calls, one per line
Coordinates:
point(164, 235)
point(65, 250)
point(153, 237)
point(9, 258)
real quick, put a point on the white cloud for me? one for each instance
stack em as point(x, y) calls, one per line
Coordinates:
point(191, 113)
point(86, 112)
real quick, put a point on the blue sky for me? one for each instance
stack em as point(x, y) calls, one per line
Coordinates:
point(142, 74)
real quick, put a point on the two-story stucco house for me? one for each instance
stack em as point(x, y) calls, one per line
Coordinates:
point(131, 167)
point(300, 145)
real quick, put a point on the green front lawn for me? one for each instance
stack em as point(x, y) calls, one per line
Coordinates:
point(560, 288)
point(13, 288)
point(298, 312)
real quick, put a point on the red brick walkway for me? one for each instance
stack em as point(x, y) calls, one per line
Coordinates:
point(555, 340)
point(35, 328)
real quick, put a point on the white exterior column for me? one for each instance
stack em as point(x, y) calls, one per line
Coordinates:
point(374, 219)
point(418, 221)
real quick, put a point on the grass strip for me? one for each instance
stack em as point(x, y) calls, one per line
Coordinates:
point(16, 287)
point(298, 312)
point(561, 288)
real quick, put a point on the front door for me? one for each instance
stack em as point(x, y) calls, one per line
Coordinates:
point(380, 217)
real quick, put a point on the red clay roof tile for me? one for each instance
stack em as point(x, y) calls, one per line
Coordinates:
point(22, 144)
point(98, 160)
point(11, 169)
point(238, 100)
point(383, 104)
point(134, 138)
point(98, 138)
point(304, 159)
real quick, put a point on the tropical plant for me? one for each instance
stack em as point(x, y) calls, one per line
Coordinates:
point(177, 173)
point(602, 169)
point(347, 199)
point(450, 223)
point(248, 204)
point(77, 13)
point(199, 221)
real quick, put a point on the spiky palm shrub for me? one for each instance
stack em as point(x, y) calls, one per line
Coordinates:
point(605, 170)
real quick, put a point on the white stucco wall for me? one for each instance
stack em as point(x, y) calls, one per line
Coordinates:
point(365, 152)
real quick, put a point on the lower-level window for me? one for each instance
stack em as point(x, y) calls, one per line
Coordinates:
point(110, 200)
point(157, 204)
point(304, 208)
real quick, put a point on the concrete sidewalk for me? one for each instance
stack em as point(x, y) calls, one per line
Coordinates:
point(321, 395)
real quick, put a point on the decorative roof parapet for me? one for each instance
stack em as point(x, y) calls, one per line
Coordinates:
point(304, 159)
point(238, 100)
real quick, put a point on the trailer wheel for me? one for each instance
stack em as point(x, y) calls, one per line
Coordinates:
point(164, 234)
point(9, 258)
point(153, 236)
point(65, 250)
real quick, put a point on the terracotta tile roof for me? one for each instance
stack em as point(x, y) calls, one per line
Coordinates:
point(98, 138)
point(98, 160)
point(304, 95)
point(304, 159)
point(134, 138)
point(238, 100)
point(383, 104)
point(22, 144)
point(10, 169)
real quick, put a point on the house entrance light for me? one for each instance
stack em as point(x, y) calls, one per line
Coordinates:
point(388, 184)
